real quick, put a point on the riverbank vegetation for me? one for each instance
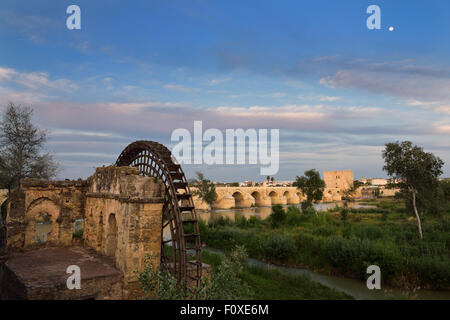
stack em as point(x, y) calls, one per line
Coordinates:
point(232, 279)
point(326, 242)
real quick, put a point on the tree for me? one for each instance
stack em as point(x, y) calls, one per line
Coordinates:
point(349, 194)
point(205, 189)
point(21, 146)
point(312, 185)
point(272, 179)
point(418, 172)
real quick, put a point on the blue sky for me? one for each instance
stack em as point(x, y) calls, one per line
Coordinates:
point(140, 69)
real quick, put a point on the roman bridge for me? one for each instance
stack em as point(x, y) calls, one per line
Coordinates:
point(245, 197)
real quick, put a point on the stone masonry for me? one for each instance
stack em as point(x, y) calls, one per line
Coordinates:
point(121, 212)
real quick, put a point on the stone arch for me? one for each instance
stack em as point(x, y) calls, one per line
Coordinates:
point(277, 198)
point(261, 199)
point(111, 236)
point(238, 199)
point(291, 197)
point(42, 215)
point(274, 196)
point(257, 195)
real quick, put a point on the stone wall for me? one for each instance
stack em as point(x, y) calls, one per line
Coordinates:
point(123, 220)
point(121, 214)
point(56, 203)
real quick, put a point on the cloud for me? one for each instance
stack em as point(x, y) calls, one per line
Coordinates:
point(395, 84)
point(178, 87)
point(35, 80)
point(7, 73)
point(329, 99)
point(215, 82)
point(32, 26)
point(278, 95)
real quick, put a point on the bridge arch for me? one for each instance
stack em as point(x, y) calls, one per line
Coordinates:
point(238, 199)
point(257, 195)
point(274, 197)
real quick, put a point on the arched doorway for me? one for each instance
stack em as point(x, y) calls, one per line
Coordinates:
point(111, 237)
point(43, 227)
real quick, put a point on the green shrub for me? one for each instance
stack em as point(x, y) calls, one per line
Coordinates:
point(305, 205)
point(225, 282)
point(432, 270)
point(363, 231)
point(321, 218)
point(277, 217)
point(308, 210)
point(344, 215)
point(218, 220)
point(278, 247)
point(355, 255)
point(242, 222)
point(325, 230)
point(293, 216)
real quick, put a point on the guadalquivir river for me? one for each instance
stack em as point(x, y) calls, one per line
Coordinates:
point(355, 288)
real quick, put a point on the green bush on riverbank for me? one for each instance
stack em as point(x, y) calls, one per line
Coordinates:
point(324, 242)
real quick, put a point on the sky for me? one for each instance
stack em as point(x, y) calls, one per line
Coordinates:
point(138, 70)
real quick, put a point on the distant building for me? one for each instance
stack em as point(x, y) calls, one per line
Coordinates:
point(379, 182)
point(342, 180)
point(369, 192)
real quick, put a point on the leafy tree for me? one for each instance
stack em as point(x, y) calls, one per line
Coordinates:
point(21, 146)
point(205, 189)
point(312, 185)
point(418, 173)
point(349, 194)
point(272, 179)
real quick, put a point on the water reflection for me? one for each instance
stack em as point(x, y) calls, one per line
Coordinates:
point(264, 212)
